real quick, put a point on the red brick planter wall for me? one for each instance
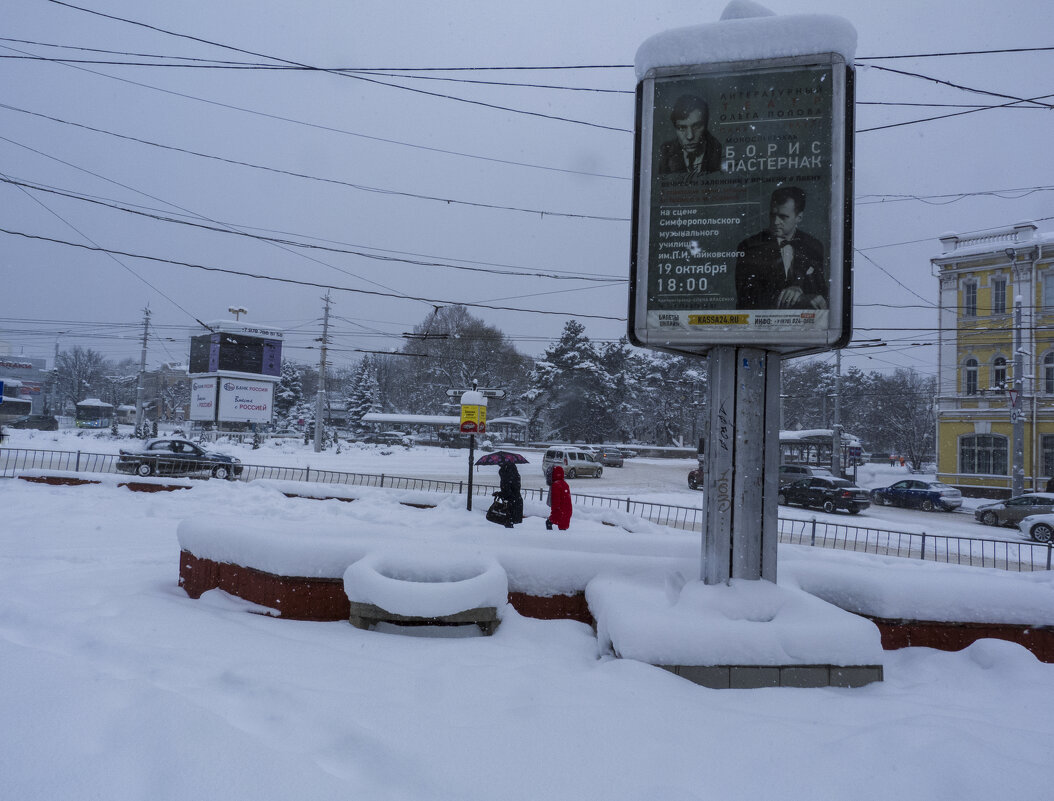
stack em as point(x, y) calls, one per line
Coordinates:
point(301, 598)
point(956, 636)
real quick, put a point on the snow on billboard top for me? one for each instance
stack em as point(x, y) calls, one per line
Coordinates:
point(743, 35)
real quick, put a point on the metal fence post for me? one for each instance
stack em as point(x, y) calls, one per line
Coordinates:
point(812, 539)
point(307, 473)
point(1050, 547)
point(78, 467)
point(627, 505)
point(923, 554)
point(382, 479)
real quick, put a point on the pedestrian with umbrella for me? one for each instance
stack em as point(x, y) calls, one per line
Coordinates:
point(507, 508)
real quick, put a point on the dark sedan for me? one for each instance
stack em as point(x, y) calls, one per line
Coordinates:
point(924, 495)
point(827, 493)
point(177, 457)
point(41, 422)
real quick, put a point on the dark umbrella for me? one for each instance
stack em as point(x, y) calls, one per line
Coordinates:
point(501, 457)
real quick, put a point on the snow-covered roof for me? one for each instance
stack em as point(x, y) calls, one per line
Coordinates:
point(743, 35)
point(813, 434)
point(95, 402)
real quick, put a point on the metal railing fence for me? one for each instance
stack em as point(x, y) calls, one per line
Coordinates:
point(1000, 554)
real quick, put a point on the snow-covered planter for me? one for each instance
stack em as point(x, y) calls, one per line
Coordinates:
point(426, 586)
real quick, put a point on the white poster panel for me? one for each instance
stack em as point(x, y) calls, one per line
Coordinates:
point(203, 398)
point(243, 401)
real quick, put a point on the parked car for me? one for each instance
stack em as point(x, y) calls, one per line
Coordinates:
point(695, 479)
point(1013, 511)
point(795, 472)
point(627, 453)
point(914, 492)
point(827, 493)
point(40, 422)
point(390, 438)
point(609, 457)
point(575, 461)
point(1038, 527)
point(177, 457)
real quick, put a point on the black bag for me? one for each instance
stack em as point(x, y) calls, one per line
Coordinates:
point(499, 512)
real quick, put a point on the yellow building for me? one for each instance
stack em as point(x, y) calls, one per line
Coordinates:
point(982, 277)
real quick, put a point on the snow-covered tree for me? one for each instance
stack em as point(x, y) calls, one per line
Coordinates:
point(289, 395)
point(363, 396)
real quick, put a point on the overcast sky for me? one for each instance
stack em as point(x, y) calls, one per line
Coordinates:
point(539, 187)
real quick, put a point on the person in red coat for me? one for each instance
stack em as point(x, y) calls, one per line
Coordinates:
point(560, 503)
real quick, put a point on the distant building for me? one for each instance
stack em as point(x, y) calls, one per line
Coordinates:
point(31, 375)
point(980, 278)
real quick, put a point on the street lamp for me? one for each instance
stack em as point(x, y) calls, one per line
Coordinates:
point(236, 311)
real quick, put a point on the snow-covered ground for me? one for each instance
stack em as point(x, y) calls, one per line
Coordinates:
point(116, 685)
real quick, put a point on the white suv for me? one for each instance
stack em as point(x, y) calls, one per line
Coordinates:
point(575, 462)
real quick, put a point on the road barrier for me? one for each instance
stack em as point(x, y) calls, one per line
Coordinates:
point(1014, 555)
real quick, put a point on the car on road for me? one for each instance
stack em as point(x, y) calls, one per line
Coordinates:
point(827, 493)
point(1013, 511)
point(790, 473)
point(177, 457)
point(40, 422)
point(1038, 527)
point(575, 462)
point(919, 494)
point(609, 457)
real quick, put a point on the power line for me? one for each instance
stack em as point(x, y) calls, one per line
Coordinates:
point(344, 132)
point(316, 284)
point(321, 179)
point(342, 74)
point(224, 229)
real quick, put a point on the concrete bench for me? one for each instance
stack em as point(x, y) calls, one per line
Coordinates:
point(364, 615)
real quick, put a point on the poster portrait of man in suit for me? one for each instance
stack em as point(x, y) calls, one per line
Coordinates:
point(782, 267)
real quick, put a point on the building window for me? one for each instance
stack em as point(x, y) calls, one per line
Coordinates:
point(970, 299)
point(1048, 290)
point(1047, 449)
point(970, 377)
point(983, 454)
point(1048, 373)
point(998, 373)
point(998, 296)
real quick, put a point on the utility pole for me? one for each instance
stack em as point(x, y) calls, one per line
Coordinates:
point(142, 373)
point(836, 436)
point(320, 401)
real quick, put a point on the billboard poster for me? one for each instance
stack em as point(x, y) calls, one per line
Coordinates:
point(203, 398)
point(740, 227)
point(243, 401)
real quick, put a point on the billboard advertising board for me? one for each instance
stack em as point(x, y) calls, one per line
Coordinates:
point(203, 398)
point(244, 401)
point(741, 232)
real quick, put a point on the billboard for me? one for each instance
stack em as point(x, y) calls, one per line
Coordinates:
point(245, 401)
point(741, 229)
point(235, 352)
point(203, 398)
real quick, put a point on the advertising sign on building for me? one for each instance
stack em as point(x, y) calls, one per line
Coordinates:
point(203, 398)
point(741, 232)
point(245, 401)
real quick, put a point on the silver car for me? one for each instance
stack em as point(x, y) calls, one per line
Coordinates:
point(1013, 511)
